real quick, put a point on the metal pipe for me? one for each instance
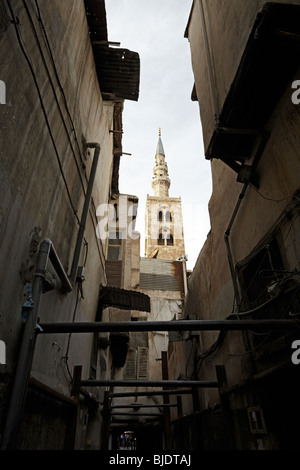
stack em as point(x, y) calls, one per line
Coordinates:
point(148, 383)
point(85, 210)
point(260, 148)
point(149, 393)
point(236, 209)
point(136, 415)
point(46, 252)
point(226, 238)
point(139, 405)
point(185, 285)
point(56, 263)
point(209, 66)
point(26, 352)
point(166, 400)
point(179, 325)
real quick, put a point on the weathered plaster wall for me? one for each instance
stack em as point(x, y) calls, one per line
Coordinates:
point(228, 26)
point(210, 287)
point(34, 197)
point(153, 227)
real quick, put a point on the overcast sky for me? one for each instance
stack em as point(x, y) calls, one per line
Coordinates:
point(155, 29)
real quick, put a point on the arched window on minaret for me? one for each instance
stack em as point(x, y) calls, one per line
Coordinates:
point(165, 238)
point(170, 240)
point(168, 216)
point(160, 240)
point(160, 216)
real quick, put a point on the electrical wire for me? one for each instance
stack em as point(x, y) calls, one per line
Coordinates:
point(216, 345)
point(55, 94)
point(53, 88)
point(73, 128)
point(58, 80)
point(284, 313)
point(270, 198)
point(26, 56)
point(254, 277)
point(276, 229)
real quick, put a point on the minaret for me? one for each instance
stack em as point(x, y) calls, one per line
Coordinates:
point(164, 227)
point(160, 181)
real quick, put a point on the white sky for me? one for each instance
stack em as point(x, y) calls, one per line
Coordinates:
point(155, 29)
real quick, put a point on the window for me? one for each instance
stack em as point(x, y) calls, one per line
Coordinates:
point(262, 278)
point(137, 361)
point(257, 272)
point(115, 212)
point(256, 420)
point(168, 216)
point(165, 238)
point(160, 216)
point(160, 240)
point(114, 246)
point(170, 241)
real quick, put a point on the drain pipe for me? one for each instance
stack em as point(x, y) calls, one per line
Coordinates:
point(46, 252)
point(209, 66)
point(85, 210)
point(226, 238)
point(260, 148)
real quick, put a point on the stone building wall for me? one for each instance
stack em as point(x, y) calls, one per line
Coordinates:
point(263, 233)
point(54, 107)
point(153, 227)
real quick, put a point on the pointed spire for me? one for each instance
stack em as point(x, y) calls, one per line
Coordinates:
point(160, 180)
point(160, 148)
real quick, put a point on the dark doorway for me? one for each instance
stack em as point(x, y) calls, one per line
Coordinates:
point(139, 438)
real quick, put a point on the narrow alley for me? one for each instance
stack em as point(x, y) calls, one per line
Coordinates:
point(109, 340)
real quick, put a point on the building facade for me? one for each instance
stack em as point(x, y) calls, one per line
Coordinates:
point(61, 144)
point(142, 412)
point(164, 238)
point(245, 58)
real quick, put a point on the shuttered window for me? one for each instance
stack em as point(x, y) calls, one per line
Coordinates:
point(142, 363)
point(130, 366)
point(137, 362)
point(114, 246)
point(136, 367)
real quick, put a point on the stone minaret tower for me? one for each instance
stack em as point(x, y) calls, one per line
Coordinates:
point(164, 227)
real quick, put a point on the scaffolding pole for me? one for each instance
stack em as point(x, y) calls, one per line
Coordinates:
point(177, 325)
point(149, 393)
point(149, 383)
point(143, 406)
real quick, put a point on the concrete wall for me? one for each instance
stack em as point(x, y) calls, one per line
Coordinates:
point(271, 210)
point(228, 25)
point(165, 305)
point(36, 202)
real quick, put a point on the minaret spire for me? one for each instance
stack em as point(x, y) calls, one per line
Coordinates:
point(160, 181)
point(164, 237)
